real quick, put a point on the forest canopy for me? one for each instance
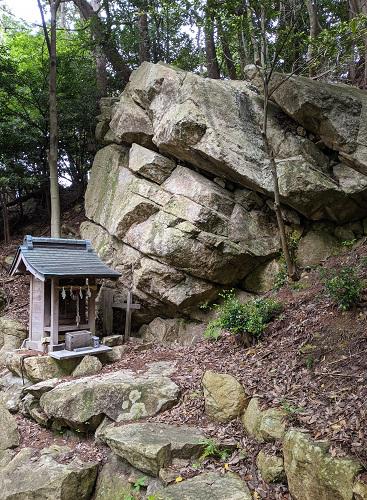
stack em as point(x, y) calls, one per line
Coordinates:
point(99, 43)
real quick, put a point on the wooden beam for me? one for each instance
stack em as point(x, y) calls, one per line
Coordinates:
point(54, 313)
point(123, 305)
point(92, 308)
point(129, 300)
point(107, 311)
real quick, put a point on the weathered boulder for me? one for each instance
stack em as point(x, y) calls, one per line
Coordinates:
point(313, 473)
point(113, 481)
point(264, 425)
point(31, 408)
point(271, 467)
point(263, 278)
point(180, 200)
point(12, 334)
point(335, 113)
point(38, 368)
point(151, 446)
point(315, 247)
point(31, 474)
point(225, 398)
point(11, 391)
point(9, 435)
point(172, 330)
point(208, 485)
point(123, 395)
point(89, 365)
point(40, 388)
point(113, 340)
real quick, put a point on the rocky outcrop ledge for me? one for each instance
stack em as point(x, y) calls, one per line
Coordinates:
point(180, 196)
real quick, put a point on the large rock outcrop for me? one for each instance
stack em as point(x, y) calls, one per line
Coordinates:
point(83, 403)
point(42, 475)
point(179, 199)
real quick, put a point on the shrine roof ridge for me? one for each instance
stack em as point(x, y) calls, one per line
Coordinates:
point(59, 257)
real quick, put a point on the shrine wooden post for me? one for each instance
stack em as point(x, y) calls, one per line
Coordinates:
point(128, 306)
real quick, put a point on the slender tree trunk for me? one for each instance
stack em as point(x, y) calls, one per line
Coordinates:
point(144, 40)
point(5, 218)
point(101, 60)
point(228, 57)
point(63, 15)
point(53, 118)
point(315, 29)
point(104, 40)
point(210, 49)
point(52, 158)
point(291, 268)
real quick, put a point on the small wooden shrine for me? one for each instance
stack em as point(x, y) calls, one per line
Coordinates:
point(63, 290)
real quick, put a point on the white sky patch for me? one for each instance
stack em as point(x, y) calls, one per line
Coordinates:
point(27, 10)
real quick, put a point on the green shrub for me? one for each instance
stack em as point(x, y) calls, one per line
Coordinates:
point(248, 319)
point(344, 287)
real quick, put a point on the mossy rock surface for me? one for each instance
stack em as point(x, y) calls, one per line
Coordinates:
point(312, 473)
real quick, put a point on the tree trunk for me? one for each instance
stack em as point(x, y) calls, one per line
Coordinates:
point(63, 15)
point(53, 119)
point(315, 29)
point(52, 158)
point(5, 218)
point(210, 51)
point(101, 61)
point(291, 268)
point(144, 40)
point(104, 40)
point(231, 67)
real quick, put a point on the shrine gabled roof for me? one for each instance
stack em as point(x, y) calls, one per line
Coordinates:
point(59, 257)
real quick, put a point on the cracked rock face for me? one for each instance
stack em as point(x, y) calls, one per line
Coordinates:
point(177, 243)
point(179, 199)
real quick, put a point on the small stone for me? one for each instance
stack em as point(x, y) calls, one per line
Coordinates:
point(113, 340)
point(251, 419)
point(267, 425)
point(271, 467)
point(315, 247)
point(272, 425)
point(225, 398)
point(221, 182)
point(122, 395)
point(262, 279)
point(89, 365)
point(31, 408)
point(344, 233)
point(114, 355)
